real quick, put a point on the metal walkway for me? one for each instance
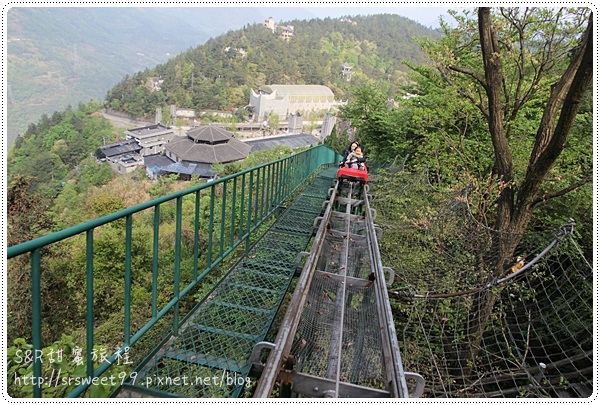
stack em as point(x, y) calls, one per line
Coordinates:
point(210, 356)
point(338, 338)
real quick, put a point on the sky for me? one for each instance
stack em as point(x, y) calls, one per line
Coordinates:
point(426, 14)
point(423, 14)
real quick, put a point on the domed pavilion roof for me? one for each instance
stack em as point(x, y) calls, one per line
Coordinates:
point(209, 134)
point(208, 144)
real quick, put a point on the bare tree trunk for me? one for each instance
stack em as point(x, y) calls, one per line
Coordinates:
point(513, 215)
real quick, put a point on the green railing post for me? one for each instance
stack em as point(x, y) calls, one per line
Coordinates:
point(256, 204)
point(176, 272)
point(262, 188)
point(196, 233)
point(242, 206)
point(36, 321)
point(280, 181)
point(284, 184)
point(223, 206)
point(233, 210)
point(270, 175)
point(211, 222)
point(89, 296)
point(127, 306)
point(155, 242)
point(249, 213)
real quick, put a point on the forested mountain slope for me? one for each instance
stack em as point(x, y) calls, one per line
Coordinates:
point(221, 73)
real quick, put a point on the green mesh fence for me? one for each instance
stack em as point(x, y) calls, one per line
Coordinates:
point(209, 357)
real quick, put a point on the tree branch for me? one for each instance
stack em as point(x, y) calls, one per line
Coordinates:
point(564, 191)
point(463, 94)
point(566, 96)
point(559, 98)
point(469, 72)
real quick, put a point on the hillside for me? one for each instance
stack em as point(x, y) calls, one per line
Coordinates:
point(67, 55)
point(221, 73)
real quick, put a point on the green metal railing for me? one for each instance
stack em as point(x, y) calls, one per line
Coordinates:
point(237, 206)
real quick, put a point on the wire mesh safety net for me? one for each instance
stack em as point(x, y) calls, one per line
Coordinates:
point(476, 319)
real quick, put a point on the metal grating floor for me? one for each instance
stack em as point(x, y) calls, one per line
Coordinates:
point(210, 356)
point(362, 360)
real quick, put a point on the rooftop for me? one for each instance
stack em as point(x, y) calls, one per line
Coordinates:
point(292, 141)
point(299, 90)
point(150, 130)
point(162, 164)
point(208, 144)
point(118, 148)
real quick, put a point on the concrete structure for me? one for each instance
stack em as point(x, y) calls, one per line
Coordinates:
point(347, 71)
point(123, 157)
point(290, 99)
point(287, 32)
point(151, 138)
point(295, 123)
point(154, 83)
point(158, 165)
point(329, 121)
point(185, 112)
point(270, 23)
point(125, 163)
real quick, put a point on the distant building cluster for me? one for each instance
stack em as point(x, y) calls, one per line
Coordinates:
point(162, 152)
point(285, 31)
point(347, 71)
point(154, 83)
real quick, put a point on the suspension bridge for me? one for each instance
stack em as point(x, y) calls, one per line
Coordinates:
point(301, 307)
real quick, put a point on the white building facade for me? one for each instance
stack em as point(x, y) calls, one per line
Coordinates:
point(284, 100)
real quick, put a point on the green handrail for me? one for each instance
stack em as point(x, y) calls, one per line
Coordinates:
point(260, 190)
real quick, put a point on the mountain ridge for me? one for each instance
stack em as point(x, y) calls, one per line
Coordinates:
point(221, 73)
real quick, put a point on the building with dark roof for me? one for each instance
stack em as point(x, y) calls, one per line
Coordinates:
point(119, 148)
point(125, 163)
point(159, 165)
point(207, 144)
point(151, 138)
point(292, 141)
point(196, 152)
point(123, 157)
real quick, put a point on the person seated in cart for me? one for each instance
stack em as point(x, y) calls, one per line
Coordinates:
point(356, 159)
point(348, 151)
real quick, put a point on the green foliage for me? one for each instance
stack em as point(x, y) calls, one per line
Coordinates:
point(217, 168)
point(382, 129)
point(52, 151)
point(273, 121)
point(163, 185)
point(27, 216)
